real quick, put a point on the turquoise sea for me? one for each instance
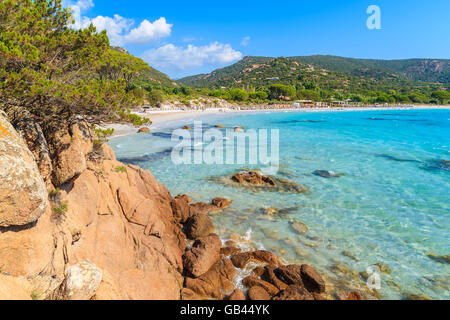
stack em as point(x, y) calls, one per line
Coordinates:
point(391, 205)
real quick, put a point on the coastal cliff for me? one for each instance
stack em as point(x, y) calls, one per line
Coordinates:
point(76, 224)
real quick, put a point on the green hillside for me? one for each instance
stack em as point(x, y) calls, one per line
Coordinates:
point(324, 78)
point(256, 73)
point(149, 77)
point(424, 70)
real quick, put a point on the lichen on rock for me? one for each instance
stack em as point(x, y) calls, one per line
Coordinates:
point(23, 195)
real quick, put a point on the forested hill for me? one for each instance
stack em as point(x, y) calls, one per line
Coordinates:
point(149, 77)
point(376, 74)
point(424, 70)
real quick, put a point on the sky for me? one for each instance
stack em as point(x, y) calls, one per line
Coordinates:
point(182, 38)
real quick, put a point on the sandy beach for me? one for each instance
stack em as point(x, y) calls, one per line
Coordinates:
point(159, 118)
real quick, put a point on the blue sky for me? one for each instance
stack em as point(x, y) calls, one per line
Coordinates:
point(189, 37)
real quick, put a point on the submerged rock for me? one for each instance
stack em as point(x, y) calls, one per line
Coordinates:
point(439, 164)
point(413, 296)
point(326, 174)
point(349, 255)
point(440, 259)
point(299, 227)
point(383, 268)
point(255, 181)
point(253, 178)
point(277, 212)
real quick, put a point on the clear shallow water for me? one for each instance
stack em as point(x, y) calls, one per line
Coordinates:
point(392, 206)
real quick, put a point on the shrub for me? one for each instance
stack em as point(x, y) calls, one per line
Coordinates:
point(121, 169)
point(53, 194)
point(59, 212)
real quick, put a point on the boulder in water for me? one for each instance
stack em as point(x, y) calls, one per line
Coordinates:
point(144, 130)
point(255, 180)
point(221, 203)
point(326, 174)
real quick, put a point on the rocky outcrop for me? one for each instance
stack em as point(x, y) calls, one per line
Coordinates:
point(117, 217)
point(81, 282)
point(254, 281)
point(237, 295)
point(33, 136)
point(23, 195)
point(312, 280)
point(291, 274)
point(216, 283)
point(257, 293)
point(181, 209)
point(203, 255)
point(304, 276)
point(111, 231)
point(69, 149)
point(241, 260)
point(294, 292)
point(270, 276)
point(199, 225)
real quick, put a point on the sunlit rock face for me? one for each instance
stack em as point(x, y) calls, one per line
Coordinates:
point(23, 195)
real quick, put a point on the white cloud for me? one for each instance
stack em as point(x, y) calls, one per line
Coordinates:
point(115, 27)
point(119, 29)
point(172, 58)
point(147, 31)
point(245, 41)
